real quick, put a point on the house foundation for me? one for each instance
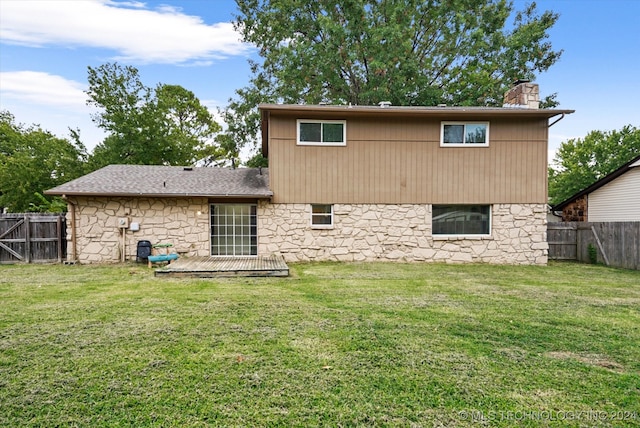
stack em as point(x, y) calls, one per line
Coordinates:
point(360, 232)
point(380, 232)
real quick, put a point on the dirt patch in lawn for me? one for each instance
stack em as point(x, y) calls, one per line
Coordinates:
point(589, 359)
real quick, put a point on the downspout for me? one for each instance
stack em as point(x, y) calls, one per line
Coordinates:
point(72, 212)
point(556, 121)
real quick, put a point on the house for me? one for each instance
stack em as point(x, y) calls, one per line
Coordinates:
point(200, 211)
point(350, 183)
point(615, 197)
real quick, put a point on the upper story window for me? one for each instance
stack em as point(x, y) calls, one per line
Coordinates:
point(322, 132)
point(464, 134)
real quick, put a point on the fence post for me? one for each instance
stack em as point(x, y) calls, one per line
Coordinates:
point(27, 239)
point(59, 232)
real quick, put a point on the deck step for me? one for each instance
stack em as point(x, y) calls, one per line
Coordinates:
point(211, 267)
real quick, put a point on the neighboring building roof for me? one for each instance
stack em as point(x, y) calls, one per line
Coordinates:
point(169, 181)
point(633, 163)
point(439, 112)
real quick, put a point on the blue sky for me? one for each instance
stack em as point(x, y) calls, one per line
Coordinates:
point(46, 46)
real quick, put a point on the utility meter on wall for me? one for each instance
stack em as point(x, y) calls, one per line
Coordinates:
point(123, 222)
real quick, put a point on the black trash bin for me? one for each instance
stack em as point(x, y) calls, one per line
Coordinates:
point(144, 251)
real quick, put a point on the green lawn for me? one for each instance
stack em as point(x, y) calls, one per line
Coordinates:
point(377, 344)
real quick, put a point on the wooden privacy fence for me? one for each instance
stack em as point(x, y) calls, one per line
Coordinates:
point(616, 244)
point(32, 238)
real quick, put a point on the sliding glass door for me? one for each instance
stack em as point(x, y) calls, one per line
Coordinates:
point(234, 230)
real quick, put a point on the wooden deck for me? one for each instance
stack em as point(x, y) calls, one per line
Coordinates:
point(212, 267)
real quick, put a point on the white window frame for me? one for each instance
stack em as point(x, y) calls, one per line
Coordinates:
point(237, 237)
point(438, 236)
point(313, 215)
point(321, 143)
point(465, 123)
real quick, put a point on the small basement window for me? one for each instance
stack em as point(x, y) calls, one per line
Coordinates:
point(461, 220)
point(321, 216)
point(322, 132)
point(464, 134)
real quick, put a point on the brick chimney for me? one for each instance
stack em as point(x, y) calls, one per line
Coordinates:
point(524, 94)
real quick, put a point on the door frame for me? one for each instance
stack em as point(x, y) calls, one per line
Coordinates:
point(252, 225)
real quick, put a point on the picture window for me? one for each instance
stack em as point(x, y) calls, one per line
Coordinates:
point(461, 220)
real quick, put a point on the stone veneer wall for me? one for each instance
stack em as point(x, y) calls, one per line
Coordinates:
point(162, 220)
point(361, 232)
point(576, 210)
point(400, 232)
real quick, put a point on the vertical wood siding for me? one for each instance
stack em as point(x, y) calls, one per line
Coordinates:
point(401, 161)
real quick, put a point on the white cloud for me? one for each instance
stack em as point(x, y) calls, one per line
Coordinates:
point(43, 89)
point(213, 106)
point(136, 34)
point(52, 102)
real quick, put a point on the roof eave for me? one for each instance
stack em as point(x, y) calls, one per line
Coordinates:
point(161, 195)
point(411, 111)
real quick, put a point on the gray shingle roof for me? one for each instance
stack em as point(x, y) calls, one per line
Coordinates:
point(167, 181)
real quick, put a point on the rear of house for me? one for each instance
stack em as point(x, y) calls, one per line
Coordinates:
point(199, 211)
point(346, 183)
point(400, 183)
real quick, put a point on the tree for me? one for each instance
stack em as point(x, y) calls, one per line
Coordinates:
point(187, 125)
point(257, 161)
point(413, 52)
point(579, 162)
point(33, 160)
point(163, 126)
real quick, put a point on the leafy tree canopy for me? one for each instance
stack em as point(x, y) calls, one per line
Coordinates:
point(581, 162)
point(33, 160)
point(163, 126)
point(257, 161)
point(413, 52)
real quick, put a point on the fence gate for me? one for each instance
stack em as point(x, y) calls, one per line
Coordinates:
point(563, 241)
point(32, 238)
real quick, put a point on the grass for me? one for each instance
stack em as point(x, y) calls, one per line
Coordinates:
point(333, 345)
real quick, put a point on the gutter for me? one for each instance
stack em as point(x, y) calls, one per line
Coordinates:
point(373, 111)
